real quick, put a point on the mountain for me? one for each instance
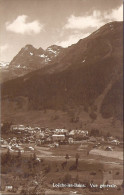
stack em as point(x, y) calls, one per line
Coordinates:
point(29, 59)
point(84, 84)
point(3, 70)
point(32, 58)
point(3, 64)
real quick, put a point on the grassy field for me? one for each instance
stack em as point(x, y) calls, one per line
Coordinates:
point(58, 119)
point(51, 170)
point(108, 154)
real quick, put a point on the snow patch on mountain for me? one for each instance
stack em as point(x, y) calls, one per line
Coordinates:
point(43, 56)
point(18, 66)
point(51, 50)
point(54, 51)
point(47, 60)
point(4, 64)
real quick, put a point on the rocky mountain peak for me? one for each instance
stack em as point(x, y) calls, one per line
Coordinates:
point(29, 47)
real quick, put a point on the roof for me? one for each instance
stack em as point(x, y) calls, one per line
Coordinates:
point(55, 135)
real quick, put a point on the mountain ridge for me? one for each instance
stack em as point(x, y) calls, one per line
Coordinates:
point(80, 77)
point(29, 59)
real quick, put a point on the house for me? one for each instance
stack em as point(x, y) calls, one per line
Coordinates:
point(92, 139)
point(115, 142)
point(78, 133)
point(17, 127)
point(70, 140)
point(21, 127)
point(9, 188)
point(72, 133)
point(28, 128)
point(48, 139)
point(110, 138)
point(61, 131)
point(3, 142)
point(28, 149)
point(100, 139)
point(4, 146)
point(40, 135)
point(38, 142)
point(108, 148)
point(37, 128)
point(56, 137)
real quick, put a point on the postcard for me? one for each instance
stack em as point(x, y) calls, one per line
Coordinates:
point(61, 67)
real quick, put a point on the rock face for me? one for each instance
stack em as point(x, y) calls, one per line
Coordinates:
point(29, 59)
point(86, 75)
point(32, 58)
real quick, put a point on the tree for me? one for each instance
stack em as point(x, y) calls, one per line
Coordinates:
point(34, 156)
point(67, 178)
point(77, 157)
point(8, 152)
point(94, 132)
point(6, 127)
point(106, 183)
point(66, 157)
point(8, 156)
point(19, 154)
point(108, 134)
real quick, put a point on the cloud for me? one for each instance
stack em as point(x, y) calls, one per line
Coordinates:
point(82, 26)
point(115, 15)
point(19, 25)
point(96, 19)
point(83, 22)
point(74, 38)
point(3, 48)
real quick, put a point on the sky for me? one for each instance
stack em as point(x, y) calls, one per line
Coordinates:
point(43, 23)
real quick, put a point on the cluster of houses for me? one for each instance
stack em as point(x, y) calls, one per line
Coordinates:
point(42, 135)
point(39, 136)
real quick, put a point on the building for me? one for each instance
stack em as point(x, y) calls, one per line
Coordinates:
point(115, 142)
point(17, 127)
point(56, 137)
point(70, 140)
point(92, 139)
point(61, 131)
point(40, 135)
point(77, 133)
point(9, 188)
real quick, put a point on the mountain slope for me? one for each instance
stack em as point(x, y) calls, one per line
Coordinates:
point(87, 76)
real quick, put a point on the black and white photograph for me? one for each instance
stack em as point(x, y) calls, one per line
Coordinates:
point(61, 97)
